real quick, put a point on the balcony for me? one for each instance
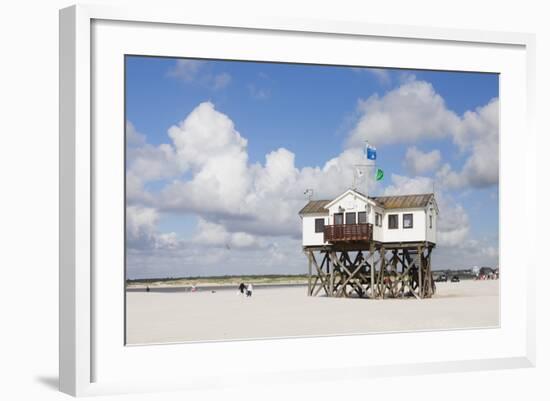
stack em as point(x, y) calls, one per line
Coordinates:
point(348, 232)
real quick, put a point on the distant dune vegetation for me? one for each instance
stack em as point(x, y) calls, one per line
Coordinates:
point(218, 280)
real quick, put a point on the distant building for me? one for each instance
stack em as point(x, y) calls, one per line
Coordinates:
point(486, 271)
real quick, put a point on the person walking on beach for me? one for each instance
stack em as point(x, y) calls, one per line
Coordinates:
point(242, 288)
point(249, 290)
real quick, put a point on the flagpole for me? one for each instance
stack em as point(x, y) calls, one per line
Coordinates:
point(367, 182)
point(369, 164)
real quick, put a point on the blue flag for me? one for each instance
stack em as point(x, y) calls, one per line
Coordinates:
point(370, 152)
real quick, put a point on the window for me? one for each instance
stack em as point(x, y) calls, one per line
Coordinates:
point(319, 225)
point(407, 220)
point(351, 218)
point(362, 217)
point(393, 221)
point(378, 219)
point(338, 218)
point(431, 218)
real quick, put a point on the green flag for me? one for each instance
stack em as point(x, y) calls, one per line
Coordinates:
point(379, 174)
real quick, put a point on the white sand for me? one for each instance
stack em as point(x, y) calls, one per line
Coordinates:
point(158, 317)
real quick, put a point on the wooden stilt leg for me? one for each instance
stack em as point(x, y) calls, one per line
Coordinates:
point(372, 270)
point(429, 269)
point(309, 271)
point(420, 267)
point(381, 278)
point(330, 268)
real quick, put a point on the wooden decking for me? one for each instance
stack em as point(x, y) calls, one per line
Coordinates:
point(348, 232)
point(365, 245)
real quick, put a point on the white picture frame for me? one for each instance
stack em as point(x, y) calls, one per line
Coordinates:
point(88, 346)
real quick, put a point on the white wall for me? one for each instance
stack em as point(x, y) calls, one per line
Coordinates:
point(431, 233)
point(416, 233)
point(378, 231)
point(309, 236)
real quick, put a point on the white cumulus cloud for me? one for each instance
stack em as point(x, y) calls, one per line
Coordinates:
point(221, 184)
point(479, 136)
point(141, 230)
point(406, 114)
point(209, 233)
point(186, 70)
point(415, 111)
point(133, 137)
point(382, 75)
point(418, 162)
point(207, 144)
point(453, 224)
point(145, 163)
point(196, 71)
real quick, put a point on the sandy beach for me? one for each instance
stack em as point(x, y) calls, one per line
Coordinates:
point(277, 311)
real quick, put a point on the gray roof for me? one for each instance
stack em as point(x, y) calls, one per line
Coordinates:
point(403, 201)
point(316, 206)
point(387, 202)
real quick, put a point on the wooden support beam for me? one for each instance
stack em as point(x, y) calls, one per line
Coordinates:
point(322, 285)
point(420, 287)
point(376, 273)
point(330, 267)
point(314, 285)
point(381, 284)
point(322, 276)
point(430, 274)
point(348, 279)
point(372, 270)
point(309, 272)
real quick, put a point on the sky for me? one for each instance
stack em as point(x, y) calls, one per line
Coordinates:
point(219, 154)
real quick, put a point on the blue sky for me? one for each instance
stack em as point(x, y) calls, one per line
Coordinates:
point(315, 113)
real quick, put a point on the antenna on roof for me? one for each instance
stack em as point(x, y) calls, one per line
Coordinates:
point(358, 175)
point(309, 193)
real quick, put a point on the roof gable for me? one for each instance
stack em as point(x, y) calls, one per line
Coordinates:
point(349, 192)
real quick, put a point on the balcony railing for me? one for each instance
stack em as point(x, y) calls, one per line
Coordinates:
point(348, 232)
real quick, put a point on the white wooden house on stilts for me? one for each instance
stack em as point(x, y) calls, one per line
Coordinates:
point(373, 247)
